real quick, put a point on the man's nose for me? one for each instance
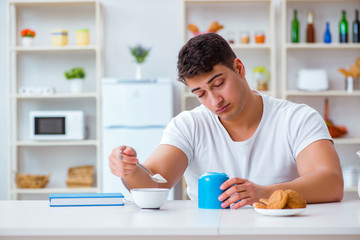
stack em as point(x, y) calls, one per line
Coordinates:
point(216, 99)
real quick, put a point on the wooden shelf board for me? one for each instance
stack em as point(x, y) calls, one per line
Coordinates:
point(251, 46)
point(318, 1)
point(225, 1)
point(350, 189)
point(53, 190)
point(346, 140)
point(302, 46)
point(24, 3)
point(53, 48)
point(56, 143)
point(322, 93)
point(55, 95)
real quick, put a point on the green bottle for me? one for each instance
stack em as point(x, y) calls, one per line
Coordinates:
point(295, 29)
point(343, 28)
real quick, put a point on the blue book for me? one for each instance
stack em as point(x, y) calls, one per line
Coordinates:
point(85, 199)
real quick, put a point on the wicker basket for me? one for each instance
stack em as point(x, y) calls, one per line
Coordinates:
point(74, 182)
point(31, 181)
point(81, 171)
point(80, 176)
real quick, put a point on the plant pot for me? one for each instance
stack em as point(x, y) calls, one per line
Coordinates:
point(138, 75)
point(76, 85)
point(27, 41)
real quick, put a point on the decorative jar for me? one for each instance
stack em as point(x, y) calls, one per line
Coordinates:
point(59, 37)
point(82, 37)
point(259, 37)
point(261, 76)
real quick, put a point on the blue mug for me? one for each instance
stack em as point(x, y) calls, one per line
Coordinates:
point(209, 189)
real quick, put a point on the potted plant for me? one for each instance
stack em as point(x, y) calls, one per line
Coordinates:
point(76, 76)
point(139, 53)
point(27, 37)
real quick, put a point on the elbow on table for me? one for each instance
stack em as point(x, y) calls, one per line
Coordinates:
point(338, 190)
point(338, 195)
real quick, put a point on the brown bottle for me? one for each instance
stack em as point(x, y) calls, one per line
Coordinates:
point(310, 31)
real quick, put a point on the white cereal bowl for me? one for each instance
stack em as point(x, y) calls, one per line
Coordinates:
point(149, 198)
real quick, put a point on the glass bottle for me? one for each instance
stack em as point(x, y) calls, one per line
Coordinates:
point(356, 28)
point(295, 29)
point(343, 28)
point(327, 35)
point(310, 31)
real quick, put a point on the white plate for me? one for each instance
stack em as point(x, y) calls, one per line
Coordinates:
point(279, 212)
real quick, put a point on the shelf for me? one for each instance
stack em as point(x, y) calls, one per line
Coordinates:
point(339, 93)
point(225, 1)
point(251, 46)
point(302, 46)
point(53, 48)
point(351, 189)
point(317, 1)
point(53, 190)
point(25, 3)
point(346, 140)
point(55, 95)
point(56, 143)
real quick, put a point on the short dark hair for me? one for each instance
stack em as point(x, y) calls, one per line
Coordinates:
point(201, 53)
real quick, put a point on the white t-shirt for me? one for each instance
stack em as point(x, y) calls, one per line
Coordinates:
point(268, 157)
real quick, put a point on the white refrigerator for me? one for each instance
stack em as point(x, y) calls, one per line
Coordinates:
point(134, 113)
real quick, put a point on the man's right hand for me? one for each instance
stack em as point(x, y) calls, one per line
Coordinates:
point(122, 161)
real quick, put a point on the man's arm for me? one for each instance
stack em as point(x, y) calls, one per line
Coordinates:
point(320, 179)
point(320, 173)
point(166, 160)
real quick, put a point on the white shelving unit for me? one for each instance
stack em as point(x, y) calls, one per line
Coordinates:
point(44, 65)
point(236, 16)
point(330, 57)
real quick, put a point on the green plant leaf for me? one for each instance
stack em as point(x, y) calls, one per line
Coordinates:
point(139, 53)
point(75, 72)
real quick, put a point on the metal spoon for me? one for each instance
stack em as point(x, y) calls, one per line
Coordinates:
point(156, 177)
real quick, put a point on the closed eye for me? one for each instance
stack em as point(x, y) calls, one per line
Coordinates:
point(218, 85)
point(201, 95)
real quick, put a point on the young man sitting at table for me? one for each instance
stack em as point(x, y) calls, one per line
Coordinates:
point(262, 143)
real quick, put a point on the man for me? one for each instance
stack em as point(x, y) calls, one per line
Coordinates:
point(262, 143)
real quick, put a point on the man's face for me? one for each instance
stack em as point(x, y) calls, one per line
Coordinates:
point(223, 91)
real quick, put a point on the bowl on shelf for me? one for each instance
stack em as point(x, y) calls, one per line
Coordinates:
point(149, 198)
point(31, 180)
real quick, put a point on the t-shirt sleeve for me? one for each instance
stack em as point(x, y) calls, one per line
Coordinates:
point(306, 126)
point(178, 133)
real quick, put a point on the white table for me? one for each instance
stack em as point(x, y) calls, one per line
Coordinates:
point(175, 220)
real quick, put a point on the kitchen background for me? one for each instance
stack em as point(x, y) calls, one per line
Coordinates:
point(159, 24)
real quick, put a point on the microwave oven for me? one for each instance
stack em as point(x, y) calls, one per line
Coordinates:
point(57, 125)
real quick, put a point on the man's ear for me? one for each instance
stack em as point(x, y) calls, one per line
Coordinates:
point(239, 67)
